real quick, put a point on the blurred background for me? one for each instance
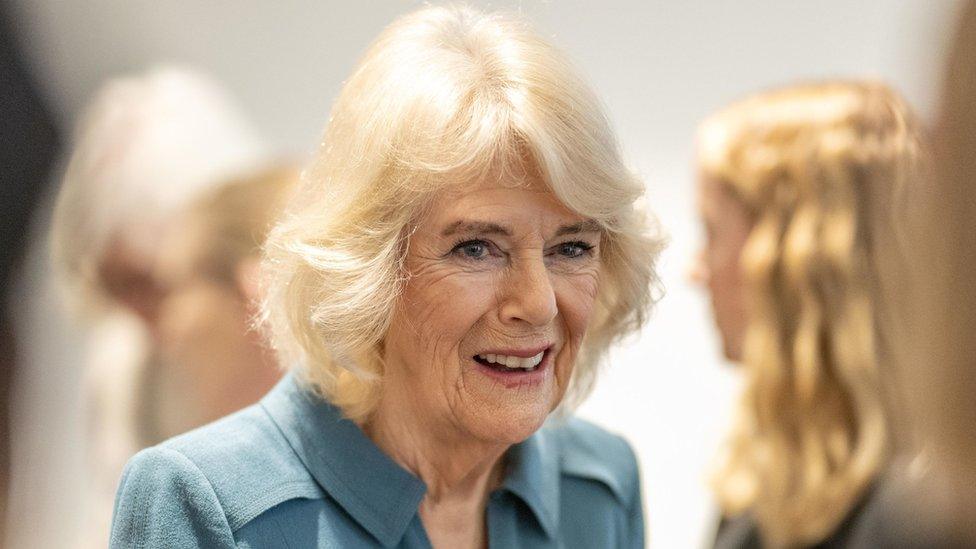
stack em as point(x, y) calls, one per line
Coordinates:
point(659, 66)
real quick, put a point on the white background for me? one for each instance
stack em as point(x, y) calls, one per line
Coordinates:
point(658, 65)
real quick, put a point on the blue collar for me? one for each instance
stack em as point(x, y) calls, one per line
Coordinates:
point(378, 493)
point(532, 474)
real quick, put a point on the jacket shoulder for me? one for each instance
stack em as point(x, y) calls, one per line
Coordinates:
point(165, 501)
point(249, 464)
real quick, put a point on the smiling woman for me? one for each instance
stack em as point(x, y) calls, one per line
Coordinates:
point(461, 253)
point(488, 326)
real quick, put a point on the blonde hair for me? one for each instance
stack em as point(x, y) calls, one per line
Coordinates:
point(235, 218)
point(444, 96)
point(818, 167)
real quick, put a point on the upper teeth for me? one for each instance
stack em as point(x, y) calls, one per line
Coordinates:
point(513, 361)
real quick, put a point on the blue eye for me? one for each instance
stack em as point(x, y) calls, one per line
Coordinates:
point(472, 249)
point(573, 249)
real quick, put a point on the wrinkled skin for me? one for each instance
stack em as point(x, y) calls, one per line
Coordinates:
point(473, 287)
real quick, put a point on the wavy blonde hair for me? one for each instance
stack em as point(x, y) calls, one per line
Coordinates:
point(819, 168)
point(233, 220)
point(445, 96)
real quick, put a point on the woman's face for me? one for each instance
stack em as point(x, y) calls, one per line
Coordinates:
point(125, 271)
point(717, 267)
point(501, 286)
point(214, 363)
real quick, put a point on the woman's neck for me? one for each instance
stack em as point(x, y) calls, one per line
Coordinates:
point(460, 471)
point(450, 463)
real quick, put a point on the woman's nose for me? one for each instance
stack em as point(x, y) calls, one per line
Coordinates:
point(529, 296)
point(697, 271)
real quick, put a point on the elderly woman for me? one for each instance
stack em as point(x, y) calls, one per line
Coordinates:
point(456, 262)
point(799, 190)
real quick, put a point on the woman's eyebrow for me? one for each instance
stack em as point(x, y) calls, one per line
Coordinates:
point(480, 227)
point(588, 226)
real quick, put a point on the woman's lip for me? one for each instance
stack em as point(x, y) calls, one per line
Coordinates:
point(525, 352)
point(518, 378)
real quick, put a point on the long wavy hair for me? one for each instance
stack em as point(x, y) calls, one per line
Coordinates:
point(819, 168)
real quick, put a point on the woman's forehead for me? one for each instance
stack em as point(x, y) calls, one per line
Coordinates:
point(497, 208)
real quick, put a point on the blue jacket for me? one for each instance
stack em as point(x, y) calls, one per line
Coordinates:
point(291, 472)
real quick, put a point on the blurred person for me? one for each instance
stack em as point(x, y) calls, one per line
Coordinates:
point(796, 188)
point(148, 145)
point(931, 502)
point(215, 362)
point(949, 410)
point(459, 257)
point(30, 143)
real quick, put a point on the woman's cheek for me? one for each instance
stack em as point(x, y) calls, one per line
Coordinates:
point(441, 304)
point(468, 292)
point(577, 297)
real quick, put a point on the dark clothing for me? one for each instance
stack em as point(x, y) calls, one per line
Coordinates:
point(28, 145)
point(742, 532)
point(882, 519)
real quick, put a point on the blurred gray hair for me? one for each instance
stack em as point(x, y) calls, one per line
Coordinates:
point(147, 145)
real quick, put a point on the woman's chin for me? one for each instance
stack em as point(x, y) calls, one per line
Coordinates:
point(508, 429)
point(507, 416)
point(508, 406)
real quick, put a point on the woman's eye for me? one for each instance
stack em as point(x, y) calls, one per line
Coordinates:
point(573, 249)
point(472, 249)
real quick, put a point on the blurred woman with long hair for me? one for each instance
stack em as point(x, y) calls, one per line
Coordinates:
point(796, 187)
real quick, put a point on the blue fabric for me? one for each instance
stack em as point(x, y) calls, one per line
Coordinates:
point(291, 472)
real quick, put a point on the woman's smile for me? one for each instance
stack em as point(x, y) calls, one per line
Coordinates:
point(501, 283)
point(516, 368)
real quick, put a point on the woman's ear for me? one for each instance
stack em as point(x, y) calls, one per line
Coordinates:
point(247, 276)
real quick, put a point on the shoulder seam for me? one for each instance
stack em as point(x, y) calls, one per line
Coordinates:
point(204, 476)
point(238, 514)
point(283, 492)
